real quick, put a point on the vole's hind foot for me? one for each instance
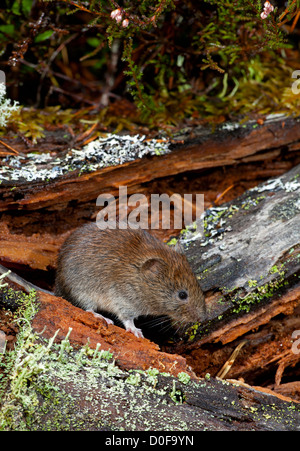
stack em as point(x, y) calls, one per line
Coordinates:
point(130, 327)
point(97, 315)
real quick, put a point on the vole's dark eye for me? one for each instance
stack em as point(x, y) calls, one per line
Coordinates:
point(182, 295)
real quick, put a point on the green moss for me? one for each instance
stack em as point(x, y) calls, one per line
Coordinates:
point(252, 283)
point(260, 294)
point(285, 210)
point(20, 365)
point(191, 332)
point(32, 400)
point(134, 379)
point(274, 269)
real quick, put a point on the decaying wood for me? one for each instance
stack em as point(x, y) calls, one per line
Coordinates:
point(139, 402)
point(249, 268)
point(198, 151)
point(129, 352)
point(266, 357)
point(250, 262)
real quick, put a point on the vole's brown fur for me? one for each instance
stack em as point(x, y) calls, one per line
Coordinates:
point(127, 273)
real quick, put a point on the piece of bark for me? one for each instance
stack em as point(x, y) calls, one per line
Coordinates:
point(81, 396)
point(199, 150)
point(249, 265)
point(204, 405)
point(130, 352)
point(266, 357)
point(38, 251)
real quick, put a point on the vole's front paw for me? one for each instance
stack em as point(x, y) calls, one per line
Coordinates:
point(130, 327)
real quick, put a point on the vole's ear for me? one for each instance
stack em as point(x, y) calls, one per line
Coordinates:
point(152, 266)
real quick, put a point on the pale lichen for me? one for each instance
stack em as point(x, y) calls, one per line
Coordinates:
point(109, 150)
point(6, 107)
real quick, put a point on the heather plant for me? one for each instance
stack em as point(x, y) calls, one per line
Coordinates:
point(173, 59)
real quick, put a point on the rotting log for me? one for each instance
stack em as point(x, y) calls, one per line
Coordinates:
point(198, 150)
point(36, 217)
point(248, 265)
point(143, 402)
point(248, 262)
point(63, 386)
point(265, 358)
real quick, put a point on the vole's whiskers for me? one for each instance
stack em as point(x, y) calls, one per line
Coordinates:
point(157, 321)
point(179, 326)
point(162, 322)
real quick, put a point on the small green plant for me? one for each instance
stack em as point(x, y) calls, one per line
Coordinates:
point(177, 395)
point(175, 60)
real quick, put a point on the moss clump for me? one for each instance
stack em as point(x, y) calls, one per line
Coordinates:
point(29, 391)
point(177, 395)
point(260, 294)
point(192, 331)
point(19, 365)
